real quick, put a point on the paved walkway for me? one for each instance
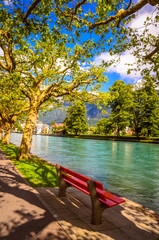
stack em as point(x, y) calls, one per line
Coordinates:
point(22, 215)
point(39, 214)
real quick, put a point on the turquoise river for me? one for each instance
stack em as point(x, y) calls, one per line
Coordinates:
point(127, 168)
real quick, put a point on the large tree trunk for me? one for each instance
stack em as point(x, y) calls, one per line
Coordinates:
point(118, 131)
point(137, 134)
point(7, 135)
point(137, 131)
point(1, 130)
point(1, 133)
point(28, 132)
point(149, 132)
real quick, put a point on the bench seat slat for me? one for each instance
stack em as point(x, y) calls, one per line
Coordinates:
point(107, 201)
point(101, 193)
point(114, 198)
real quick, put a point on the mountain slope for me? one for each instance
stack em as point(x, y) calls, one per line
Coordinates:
point(93, 115)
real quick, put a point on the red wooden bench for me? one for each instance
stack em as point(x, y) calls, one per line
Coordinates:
point(99, 197)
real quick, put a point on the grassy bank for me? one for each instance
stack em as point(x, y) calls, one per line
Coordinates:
point(36, 171)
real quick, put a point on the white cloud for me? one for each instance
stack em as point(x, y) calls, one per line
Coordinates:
point(122, 66)
point(138, 22)
point(7, 3)
point(138, 84)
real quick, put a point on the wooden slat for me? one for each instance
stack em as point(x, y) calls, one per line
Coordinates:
point(73, 183)
point(76, 181)
point(83, 186)
point(108, 202)
point(114, 198)
point(98, 185)
point(74, 174)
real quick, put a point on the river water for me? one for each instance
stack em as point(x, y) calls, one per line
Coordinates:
point(127, 168)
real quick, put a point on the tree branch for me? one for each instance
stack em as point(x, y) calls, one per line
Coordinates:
point(8, 59)
point(148, 57)
point(23, 109)
point(3, 65)
point(129, 5)
point(78, 5)
point(121, 14)
point(30, 9)
point(30, 74)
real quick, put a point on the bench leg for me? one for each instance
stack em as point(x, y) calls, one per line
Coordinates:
point(62, 184)
point(97, 206)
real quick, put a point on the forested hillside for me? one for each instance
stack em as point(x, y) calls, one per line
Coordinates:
point(93, 115)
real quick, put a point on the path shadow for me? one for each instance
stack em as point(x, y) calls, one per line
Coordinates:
point(119, 223)
point(22, 215)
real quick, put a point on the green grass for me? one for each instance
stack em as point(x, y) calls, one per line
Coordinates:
point(37, 172)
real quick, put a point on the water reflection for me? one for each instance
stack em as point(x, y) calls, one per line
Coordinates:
point(130, 169)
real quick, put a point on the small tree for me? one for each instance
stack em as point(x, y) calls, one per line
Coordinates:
point(104, 126)
point(75, 120)
point(18, 127)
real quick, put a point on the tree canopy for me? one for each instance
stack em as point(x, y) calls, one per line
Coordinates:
point(120, 102)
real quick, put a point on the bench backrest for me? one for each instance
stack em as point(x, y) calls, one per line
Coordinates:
point(81, 177)
point(80, 182)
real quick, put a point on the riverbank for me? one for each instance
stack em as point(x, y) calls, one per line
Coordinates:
point(104, 137)
point(116, 138)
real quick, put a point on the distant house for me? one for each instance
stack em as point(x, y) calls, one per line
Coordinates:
point(129, 131)
point(41, 128)
point(45, 129)
point(56, 125)
point(57, 128)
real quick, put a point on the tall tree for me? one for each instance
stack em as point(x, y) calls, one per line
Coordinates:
point(150, 114)
point(47, 67)
point(120, 101)
point(76, 120)
point(137, 109)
